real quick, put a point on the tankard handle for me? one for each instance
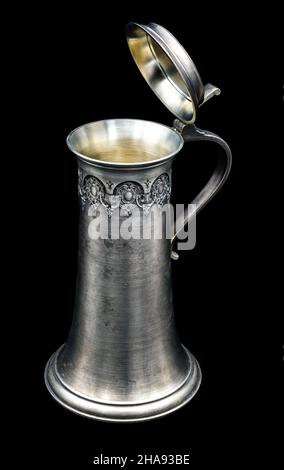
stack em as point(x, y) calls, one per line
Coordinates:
point(191, 133)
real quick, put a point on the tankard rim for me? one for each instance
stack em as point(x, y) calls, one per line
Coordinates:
point(112, 164)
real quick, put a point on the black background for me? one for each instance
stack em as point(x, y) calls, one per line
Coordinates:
point(76, 68)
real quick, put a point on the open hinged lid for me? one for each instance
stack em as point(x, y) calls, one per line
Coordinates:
point(168, 70)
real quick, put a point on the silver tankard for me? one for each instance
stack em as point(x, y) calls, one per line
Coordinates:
point(123, 360)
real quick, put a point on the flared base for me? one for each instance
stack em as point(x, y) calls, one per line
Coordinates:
point(127, 412)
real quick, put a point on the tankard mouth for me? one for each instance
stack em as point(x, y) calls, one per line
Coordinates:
point(124, 143)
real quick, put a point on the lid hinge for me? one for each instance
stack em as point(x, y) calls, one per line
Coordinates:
point(179, 126)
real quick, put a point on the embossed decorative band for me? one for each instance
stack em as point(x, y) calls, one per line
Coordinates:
point(127, 195)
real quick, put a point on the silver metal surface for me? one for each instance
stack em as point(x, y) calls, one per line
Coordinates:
point(123, 143)
point(168, 70)
point(123, 360)
point(218, 178)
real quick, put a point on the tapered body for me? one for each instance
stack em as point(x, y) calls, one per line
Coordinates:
point(123, 342)
point(123, 349)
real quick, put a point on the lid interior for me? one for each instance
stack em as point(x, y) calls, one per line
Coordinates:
point(161, 72)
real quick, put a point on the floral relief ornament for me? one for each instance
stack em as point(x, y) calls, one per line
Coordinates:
point(127, 195)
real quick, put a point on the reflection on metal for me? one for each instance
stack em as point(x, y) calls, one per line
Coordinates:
point(123, 360)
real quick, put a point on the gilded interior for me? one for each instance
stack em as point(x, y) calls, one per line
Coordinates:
point(124, 141)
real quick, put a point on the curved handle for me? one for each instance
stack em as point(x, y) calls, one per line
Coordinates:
point(190, 134)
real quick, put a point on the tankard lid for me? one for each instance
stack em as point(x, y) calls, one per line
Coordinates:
point(168, 70)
